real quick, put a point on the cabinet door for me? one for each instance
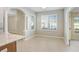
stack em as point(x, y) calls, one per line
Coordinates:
point(4, 50)
point(11, 47)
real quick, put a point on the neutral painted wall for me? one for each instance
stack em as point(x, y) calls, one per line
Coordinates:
point(28, 13)
point(1, 20)
point(74, 35)
point(60, 23)
point(28, 31)
point(16, 22)
point(20, 22)
point(12, 23)
point(67, 35)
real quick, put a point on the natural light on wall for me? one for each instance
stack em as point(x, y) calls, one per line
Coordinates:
point(32, 22)
point(76, 23)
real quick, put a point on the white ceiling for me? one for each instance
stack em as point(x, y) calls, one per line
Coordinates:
point(40, 9)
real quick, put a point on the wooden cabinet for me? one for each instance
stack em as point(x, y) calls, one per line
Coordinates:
point(11, 47)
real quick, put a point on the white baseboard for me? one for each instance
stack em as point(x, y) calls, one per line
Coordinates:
point(27, 38)
point(46, 36)
point(50, 36)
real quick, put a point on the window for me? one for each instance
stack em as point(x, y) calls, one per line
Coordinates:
point(76, 23)
point(49, 22)
point(32, 22)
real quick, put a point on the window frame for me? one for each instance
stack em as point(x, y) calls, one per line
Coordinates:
point(48, 19)
point(74, 22)
point(32, 20)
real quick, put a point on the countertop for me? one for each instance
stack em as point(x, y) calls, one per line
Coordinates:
point(8, 38)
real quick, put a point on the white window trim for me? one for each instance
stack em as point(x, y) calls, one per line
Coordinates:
point(56, 22)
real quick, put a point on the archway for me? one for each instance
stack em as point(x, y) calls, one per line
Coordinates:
point(16, 21)
point(67, 33)
point(74, 23)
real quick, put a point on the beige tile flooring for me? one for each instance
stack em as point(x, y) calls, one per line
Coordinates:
point(42, 44)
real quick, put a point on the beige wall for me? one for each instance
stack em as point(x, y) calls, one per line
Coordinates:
point(12, 21)
point(1, 20)
point(20, 22)
point(28, 13)
point(16, 23)
point(73, 34)
point(60, 20)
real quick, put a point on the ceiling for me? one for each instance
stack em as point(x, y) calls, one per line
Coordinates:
point(41, 9)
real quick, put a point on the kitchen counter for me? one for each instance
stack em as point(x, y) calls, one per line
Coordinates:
point(9, 38)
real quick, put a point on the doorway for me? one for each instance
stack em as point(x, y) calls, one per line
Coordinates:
point(16, 22)
point(74, 24)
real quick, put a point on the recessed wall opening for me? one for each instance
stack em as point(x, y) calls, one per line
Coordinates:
point(74, 23)
point(16, 21)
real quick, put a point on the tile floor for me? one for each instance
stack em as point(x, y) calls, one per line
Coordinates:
point(42, 44)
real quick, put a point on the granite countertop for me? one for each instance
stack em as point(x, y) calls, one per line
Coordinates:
point(8, 38)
